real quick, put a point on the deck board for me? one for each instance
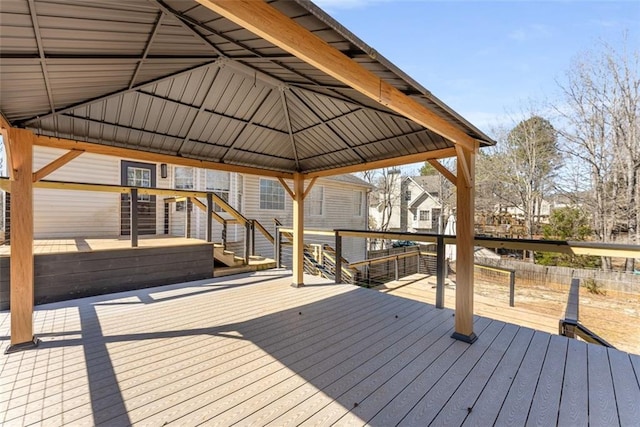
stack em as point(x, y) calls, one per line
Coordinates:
point(546, 400)
point(252, 350)
point(574, 407)
point(627, 389)
point(487, 406)
point(516, 405)
point(602, 403)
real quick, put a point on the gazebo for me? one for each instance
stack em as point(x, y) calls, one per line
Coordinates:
point(275, 88)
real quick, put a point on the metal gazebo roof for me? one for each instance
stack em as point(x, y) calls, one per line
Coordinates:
point(176, 78)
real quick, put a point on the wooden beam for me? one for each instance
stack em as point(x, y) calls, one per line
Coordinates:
point(444, 171)
point(298, 230)
point(463, 168)
point(269, 23)
point(22, 272)
point(464, 248)
point(108, 150)
point(56, 164)
point(309, 187)
point(378, 164)
point(5, 185)
point(287, 188)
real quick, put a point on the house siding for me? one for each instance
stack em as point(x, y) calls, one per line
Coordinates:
point(72, 213)
point(338, 212)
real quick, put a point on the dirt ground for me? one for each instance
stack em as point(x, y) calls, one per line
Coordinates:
point(614, 316)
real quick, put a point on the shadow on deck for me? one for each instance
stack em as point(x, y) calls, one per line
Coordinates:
point(253, 350)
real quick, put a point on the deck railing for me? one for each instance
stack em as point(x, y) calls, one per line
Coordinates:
point(535, 296)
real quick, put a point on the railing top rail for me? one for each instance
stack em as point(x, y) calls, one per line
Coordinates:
point(385, 258)
point(561, 246)
point(317, 232)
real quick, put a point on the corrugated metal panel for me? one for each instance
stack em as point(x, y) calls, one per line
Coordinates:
point(135, 73)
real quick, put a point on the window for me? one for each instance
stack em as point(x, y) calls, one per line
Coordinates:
point(139, 177)
point(425, 215)
point(219, 183)
point(407, 195)
point(357, 203)
point(315, 201)
point(183, 180)
point(271, 195)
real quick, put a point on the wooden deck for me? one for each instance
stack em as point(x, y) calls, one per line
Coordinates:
point(87, 244)
point(252, 350)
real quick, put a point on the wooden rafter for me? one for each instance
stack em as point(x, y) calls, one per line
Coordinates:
point(463, 167)
point(56, 164)
point(443, 170)
point(68, 144)
point(267, 22)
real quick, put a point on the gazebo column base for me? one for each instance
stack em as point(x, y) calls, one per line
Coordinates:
point(469, 339)
point(14, 348)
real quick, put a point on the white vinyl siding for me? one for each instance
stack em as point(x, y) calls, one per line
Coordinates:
point(314, 202)
point(358, 203)
point(339, 199)
point(71, 213)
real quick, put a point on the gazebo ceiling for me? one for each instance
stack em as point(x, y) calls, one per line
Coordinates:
point(174, 77)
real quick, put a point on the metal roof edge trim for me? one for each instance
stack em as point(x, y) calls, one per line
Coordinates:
point(316, 11)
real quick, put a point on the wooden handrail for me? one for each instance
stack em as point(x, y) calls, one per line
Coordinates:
point(264, 231)
point(386, 258)
point(559, 246)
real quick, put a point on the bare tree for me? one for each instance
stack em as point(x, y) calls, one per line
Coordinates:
point(600, 112)
point(519, 171)
point(385, 195)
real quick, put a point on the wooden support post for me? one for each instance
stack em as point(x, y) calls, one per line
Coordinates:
point(133, 216)
point(441, 272)
point(209, 219)
point(20, 143)
point(338, 266)
point(464, 246)
point(298, 230)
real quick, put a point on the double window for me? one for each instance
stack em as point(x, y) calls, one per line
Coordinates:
point(182, 180)
point(271, 195)
point(139, 177)
point(219, 182)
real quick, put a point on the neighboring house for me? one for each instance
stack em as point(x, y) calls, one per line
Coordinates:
point(336, 202)
point(415, 206)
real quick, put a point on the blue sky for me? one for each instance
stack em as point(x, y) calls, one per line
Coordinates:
point(488, 59)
